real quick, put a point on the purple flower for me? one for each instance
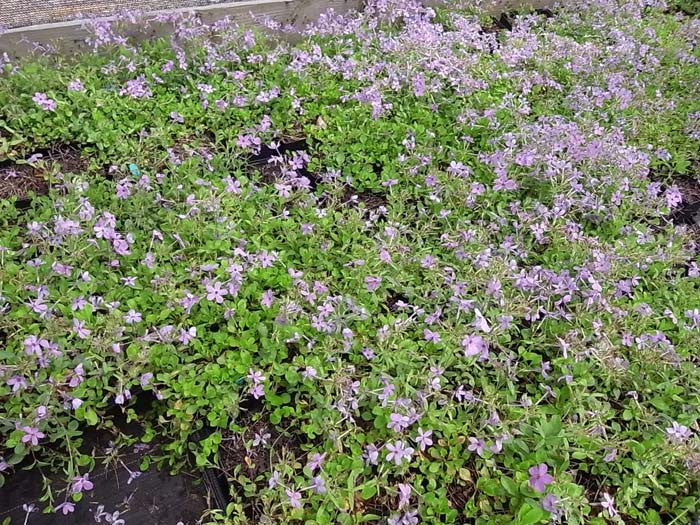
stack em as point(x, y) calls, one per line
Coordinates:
point(480, 322)
point(66, 507)
point(608, 503)
point(476, 445)
point(32, 345)
point(44, 102)
point(274, 480)
point(176, 117)
point(31, 435)
point(267, 259)
point(372, 283)
point(294, 498)
point(132, 316)
point(404, 495)
point(475, 345)
point(539, 478)
point(550, 503)
point(145, 379)
point(611, 455)
point(430, 336)
point(268, 298)
point(398, 451)
point(216, 292)
point(309, 373)
point(398, 422)
point(80, 330)
point(189, 301)
point(316, 461)
point(137, 88)
point(76, 85)
point(187, 335)
point(81, 483)
point(255, 376)
point(318, 485)
point(257, 391)
point(371, 454)
point(423, 439)
point(678, 433)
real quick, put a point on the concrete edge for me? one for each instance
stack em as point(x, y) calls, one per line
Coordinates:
point(227, 6)
point(70, 36)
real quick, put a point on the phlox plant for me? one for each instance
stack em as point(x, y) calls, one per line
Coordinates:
point(410, 268)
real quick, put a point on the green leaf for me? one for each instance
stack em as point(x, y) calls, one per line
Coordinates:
point(510, 485)
point(91, 417)
point(528, 515)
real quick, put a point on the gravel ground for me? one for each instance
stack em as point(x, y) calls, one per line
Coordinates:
point(18, 13)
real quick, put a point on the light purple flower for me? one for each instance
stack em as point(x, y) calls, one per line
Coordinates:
point(268, 298)
point(476, 445)
point(474, 345)
point(371, 454)
point(274, 480)
point(31, 435)
point(404, 495)
point(372, 283)
point(318, 485)
point(294, 498)
point(430, 336)
point(550, 503)
point(76, 85)
point(398, 422)
point(316, 461)
point(257, 391)
point(608, 503)
point(81, 484)
point(80, 330)
point(187, 335)
point(539, 478)
point(44, 102)
point(137, 88)
point(216, 292)
point(398, 452)
point(611, 455)
point(678, 433)
point(423, 439)
point(132, 316)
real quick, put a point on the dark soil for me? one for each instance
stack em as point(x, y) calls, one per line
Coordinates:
point(689, 211)
point(381, 504)
point(371, 201)
point(240, 456)
point(22, 179)
point(458, 494)
point(152, 498)
point(284, 145)
point(271, 172)
point(395, 301)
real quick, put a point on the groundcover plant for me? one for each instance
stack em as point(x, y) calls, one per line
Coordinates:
point(418, 266)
